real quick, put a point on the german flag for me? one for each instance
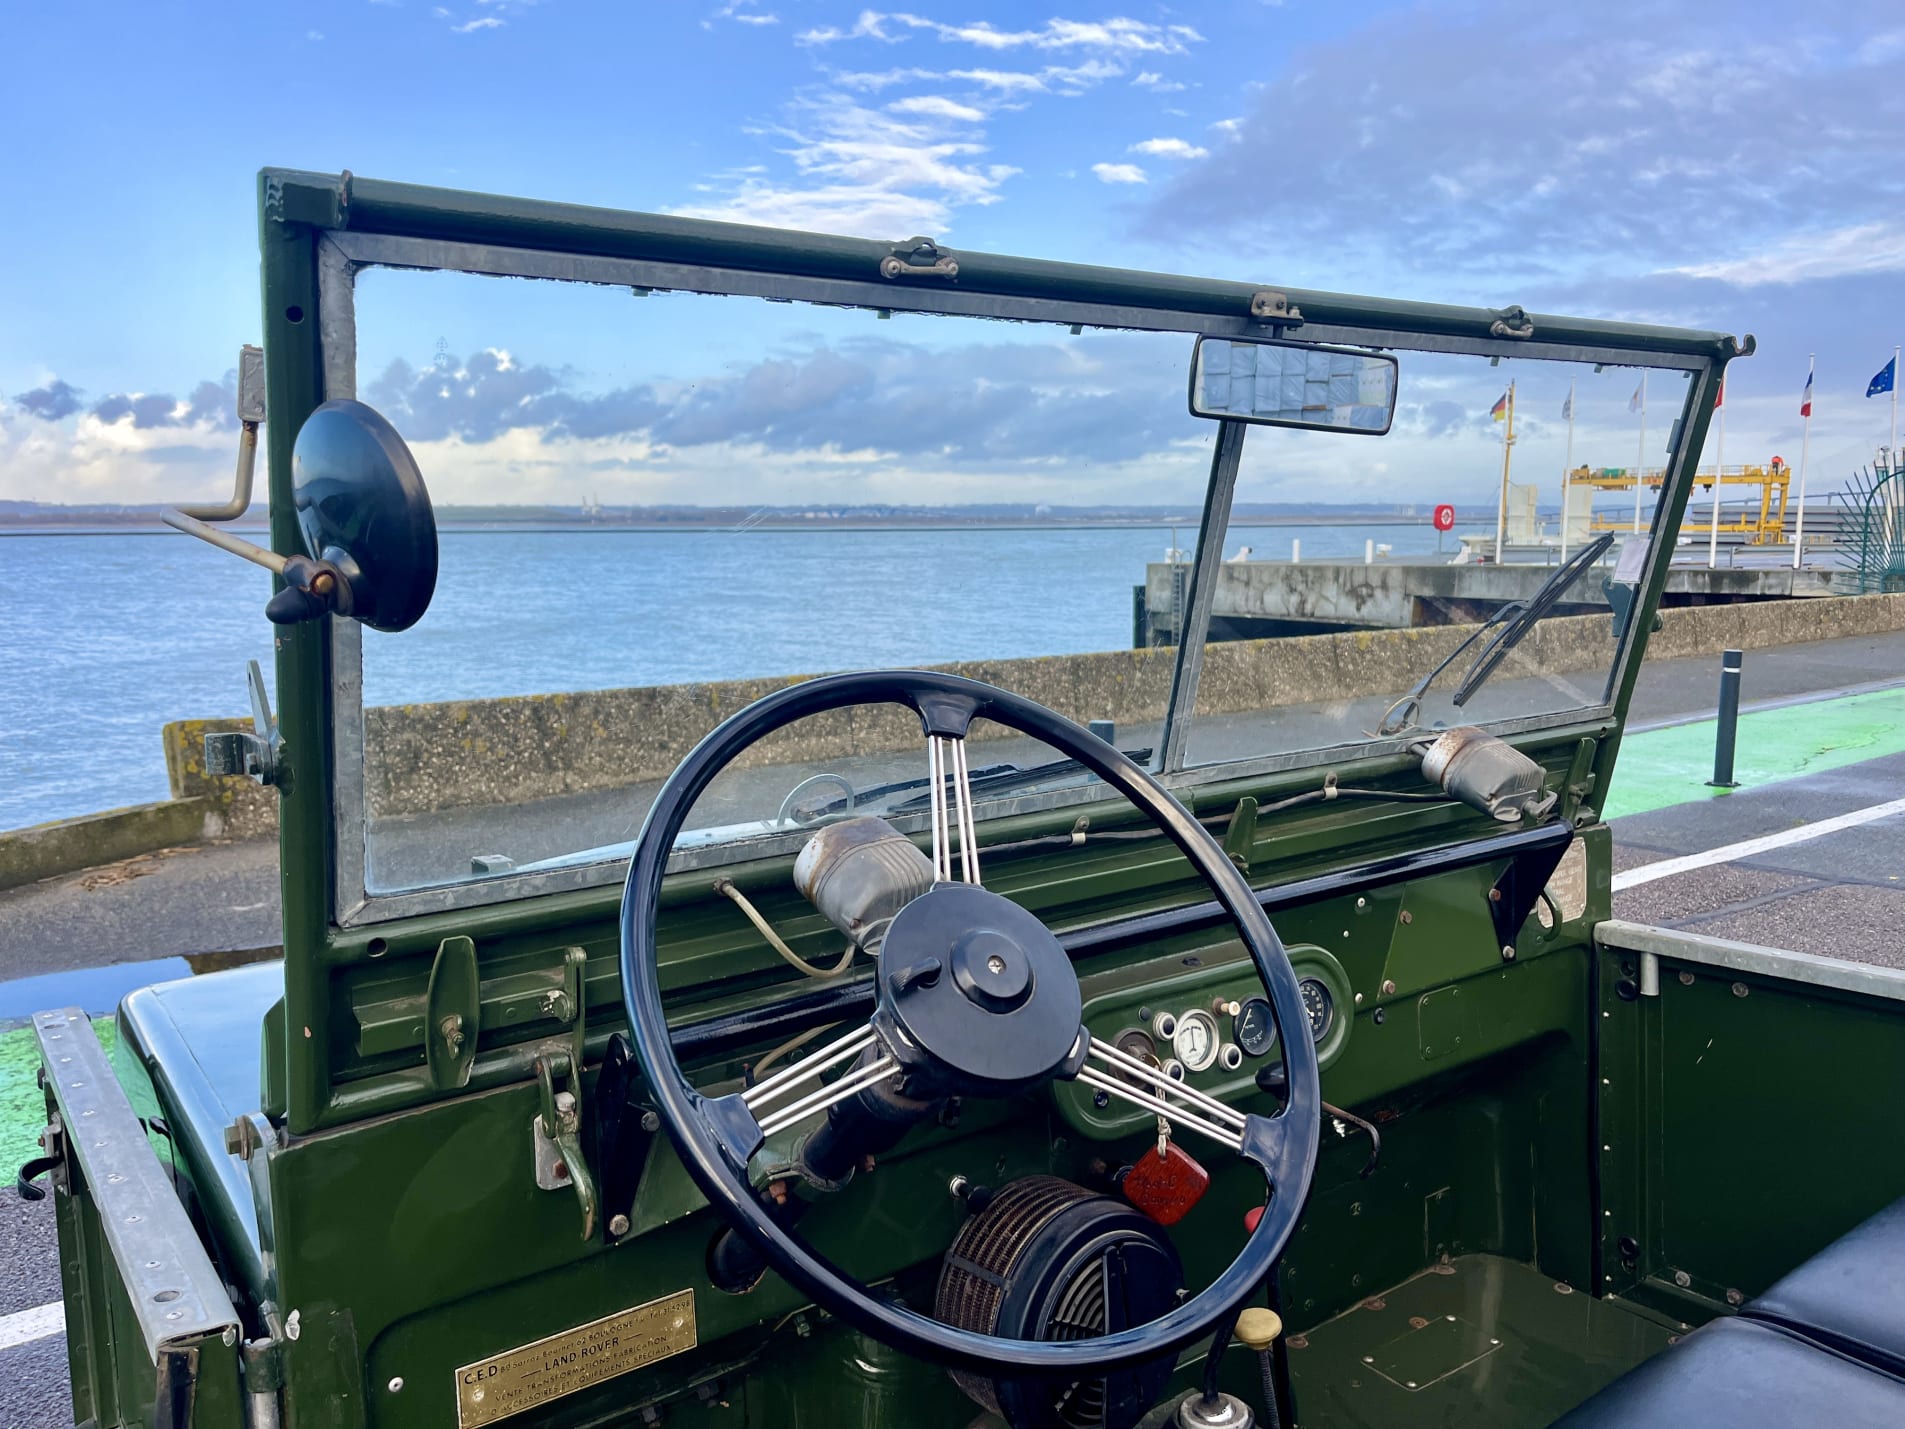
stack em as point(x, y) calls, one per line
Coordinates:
point(1500, 410)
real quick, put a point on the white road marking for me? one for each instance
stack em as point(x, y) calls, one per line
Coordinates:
point(1750, 848)
point(30, 1325)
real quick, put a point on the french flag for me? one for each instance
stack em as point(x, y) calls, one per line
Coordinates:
point(1805, 401)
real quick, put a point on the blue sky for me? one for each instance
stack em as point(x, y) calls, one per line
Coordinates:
point(1735, 166)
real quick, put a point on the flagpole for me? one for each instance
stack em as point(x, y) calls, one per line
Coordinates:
point(1719, 475)
point(1508, 442)
point(1805, 441)
point(1567, 471)
point(1640, 459)
point(1892, 452)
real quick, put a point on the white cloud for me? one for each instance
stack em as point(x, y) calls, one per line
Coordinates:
point(1170, 149)
point(487, 22)
point(1119, 173)
point(937, 106)
point(1150, 79)
point(868, 172)
point(1229, 128)
point(1830, 253)
point(742, 13)
point(1119, 36)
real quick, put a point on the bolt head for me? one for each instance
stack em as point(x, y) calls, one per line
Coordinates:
point(396, 1383)
point(618, 1225)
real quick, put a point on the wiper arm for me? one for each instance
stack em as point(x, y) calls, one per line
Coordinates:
point(1511, 624)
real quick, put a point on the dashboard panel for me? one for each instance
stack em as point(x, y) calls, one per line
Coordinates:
point(1208, 1025)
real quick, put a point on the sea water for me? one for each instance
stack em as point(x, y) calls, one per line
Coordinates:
point(106, 637)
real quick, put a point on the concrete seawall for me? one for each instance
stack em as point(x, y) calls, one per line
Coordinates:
point(461, 754)
point(422, 758)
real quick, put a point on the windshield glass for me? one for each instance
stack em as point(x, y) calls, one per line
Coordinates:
point(1417, 565)
point(656, 509)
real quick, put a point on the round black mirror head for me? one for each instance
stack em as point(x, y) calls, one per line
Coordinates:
point(363, 509)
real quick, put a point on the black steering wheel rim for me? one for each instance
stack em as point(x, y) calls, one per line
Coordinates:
point(1284, 1146)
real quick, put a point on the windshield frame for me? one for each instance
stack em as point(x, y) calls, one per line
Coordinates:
point(342, 253)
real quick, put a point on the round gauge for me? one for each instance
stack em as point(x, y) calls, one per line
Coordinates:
point(1320, 1006)
point(1254, 1028)
point(1135, 1042)
point(1195, 1040)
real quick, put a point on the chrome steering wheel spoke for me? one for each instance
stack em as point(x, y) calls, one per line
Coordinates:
point(1149, 1089)
point(951, 808)
point(792, 1080)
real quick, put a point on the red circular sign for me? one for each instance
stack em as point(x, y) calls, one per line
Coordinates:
point(1445, 518)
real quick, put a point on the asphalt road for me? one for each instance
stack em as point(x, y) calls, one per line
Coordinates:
point(1840, 895)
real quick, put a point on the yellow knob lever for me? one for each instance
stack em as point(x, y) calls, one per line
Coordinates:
point(1258, 1328)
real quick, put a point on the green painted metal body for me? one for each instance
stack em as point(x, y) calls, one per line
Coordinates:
point(1532, 1116)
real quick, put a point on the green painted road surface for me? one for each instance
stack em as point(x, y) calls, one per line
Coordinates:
point(22, 1103)
point(1659, 768)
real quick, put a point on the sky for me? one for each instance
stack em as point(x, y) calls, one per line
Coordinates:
point(1729, 166)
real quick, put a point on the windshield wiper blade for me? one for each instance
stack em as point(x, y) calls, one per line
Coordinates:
point(1511, 624)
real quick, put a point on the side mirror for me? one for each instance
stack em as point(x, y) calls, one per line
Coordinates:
point(370, 535)
point(1293, 384)
point(365, 514)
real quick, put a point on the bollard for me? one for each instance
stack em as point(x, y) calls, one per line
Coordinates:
point(1723, 740)
point(1369, 553)
point(1296, 550)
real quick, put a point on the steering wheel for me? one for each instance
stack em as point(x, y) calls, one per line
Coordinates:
point(975, 997)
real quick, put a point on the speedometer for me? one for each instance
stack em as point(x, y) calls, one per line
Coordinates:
point(1195, 1040)
point(1319, 1006)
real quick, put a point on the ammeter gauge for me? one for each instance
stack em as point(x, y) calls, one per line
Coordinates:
point(1195, 1040)
point(1254, 1028)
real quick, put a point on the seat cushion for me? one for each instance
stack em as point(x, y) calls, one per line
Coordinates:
point(1745, 1375)
point(1851, 1295)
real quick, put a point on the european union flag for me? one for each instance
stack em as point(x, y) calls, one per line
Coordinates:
point(1883, 382)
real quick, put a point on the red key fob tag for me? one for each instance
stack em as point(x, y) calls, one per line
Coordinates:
point(1166, 1186)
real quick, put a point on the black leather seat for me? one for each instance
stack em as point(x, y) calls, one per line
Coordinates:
point(1744, 1374)
point(1826, 1346)
point(1850, 1296)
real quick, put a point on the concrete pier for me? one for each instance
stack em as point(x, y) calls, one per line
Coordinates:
point(1266, 598)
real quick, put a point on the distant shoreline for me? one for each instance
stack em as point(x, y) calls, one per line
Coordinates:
point(861, 524)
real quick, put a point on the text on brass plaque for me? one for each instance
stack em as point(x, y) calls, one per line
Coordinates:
point(519, 1379)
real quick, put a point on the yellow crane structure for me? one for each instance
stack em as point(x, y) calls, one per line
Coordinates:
point(1766, 528)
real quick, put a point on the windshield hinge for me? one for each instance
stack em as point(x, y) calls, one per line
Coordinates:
point(1511, 321)
point(919, 258)
point(1269, 306)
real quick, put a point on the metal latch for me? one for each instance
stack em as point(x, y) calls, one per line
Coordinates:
point(452, 1014)
point(1269, 306)
point(919, 258)
point(253, 755)
point(1512, 321)
point(557, 1128)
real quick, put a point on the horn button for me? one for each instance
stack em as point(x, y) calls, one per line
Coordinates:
point(981, 986)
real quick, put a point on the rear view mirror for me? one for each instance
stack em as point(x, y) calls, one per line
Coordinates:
point(1293, 384)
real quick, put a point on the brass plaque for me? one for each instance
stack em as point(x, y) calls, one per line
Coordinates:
point(519, 1379)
